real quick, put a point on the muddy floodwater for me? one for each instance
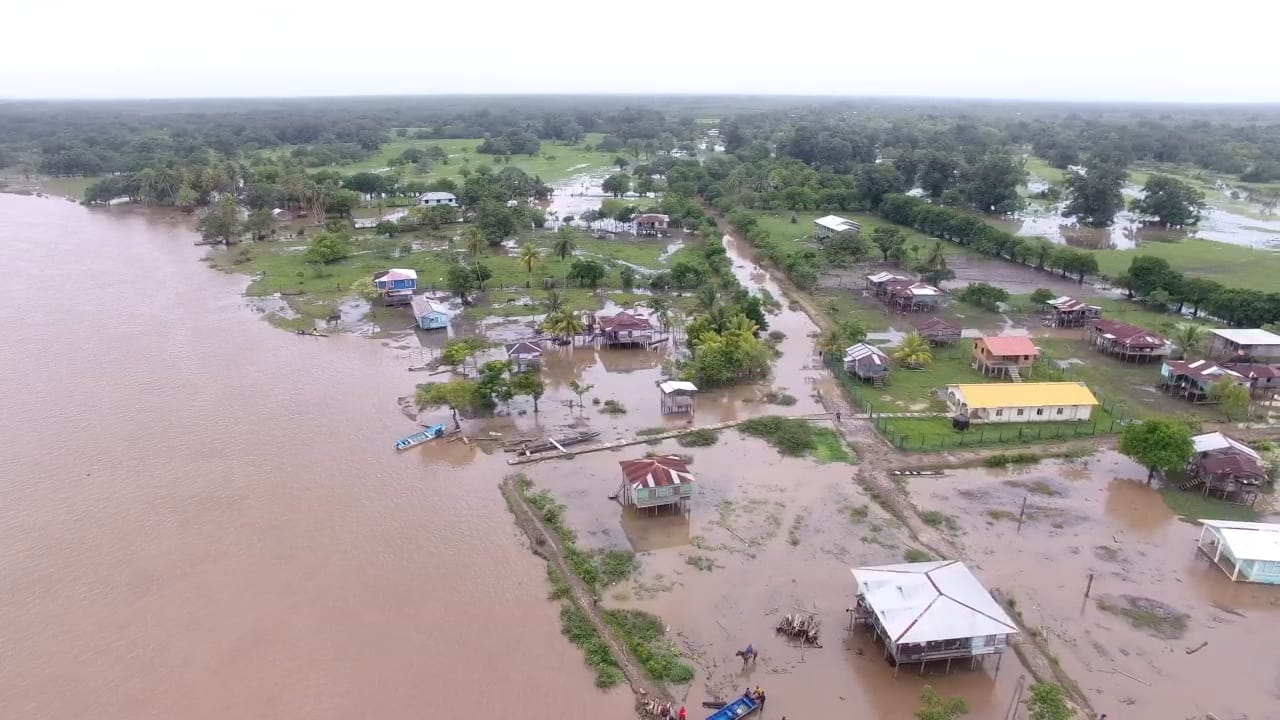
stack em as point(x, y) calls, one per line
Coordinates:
point(1153, 598)
point(203, 517)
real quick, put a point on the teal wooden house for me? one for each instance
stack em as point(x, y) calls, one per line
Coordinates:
point(656, 482)
point(1245, 551)
point(430, 315)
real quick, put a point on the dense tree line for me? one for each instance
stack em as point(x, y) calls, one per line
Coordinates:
point(1153, 280)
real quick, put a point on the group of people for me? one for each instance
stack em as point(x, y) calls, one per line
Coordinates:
point(757, 695)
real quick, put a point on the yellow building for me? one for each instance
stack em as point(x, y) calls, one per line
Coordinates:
point(1022, 402)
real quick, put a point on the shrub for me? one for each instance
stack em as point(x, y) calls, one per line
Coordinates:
point(699, 438)
point(613, 407)
point(790, 437)
point(1002, 459)
point(915, 555)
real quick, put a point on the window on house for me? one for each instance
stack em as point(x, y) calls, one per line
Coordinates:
point(1021, 412)
point(999, 413)
point(1039, 411)
point(1059, 411)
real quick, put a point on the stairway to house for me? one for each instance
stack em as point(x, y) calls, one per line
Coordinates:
point(1014, 375)
point(1190, 483)
point(877, 381)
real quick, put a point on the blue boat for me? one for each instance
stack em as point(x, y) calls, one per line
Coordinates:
point(429, 433)
point(739, 708)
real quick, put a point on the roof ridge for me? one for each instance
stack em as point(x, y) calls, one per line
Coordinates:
point(963, 604)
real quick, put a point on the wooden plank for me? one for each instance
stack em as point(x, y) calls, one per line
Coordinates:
point(558, 445)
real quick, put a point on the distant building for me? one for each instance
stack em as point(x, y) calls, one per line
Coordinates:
point(656, 482)
point(1022, 402)
point(431, 199)
point(879, 283)
point(429, 315)
point(1252, 345)
point(1068, 312)
point(930, 611)
point(908, 297)
point(866, 362)
point(677, 396)
point(651, 224)
point(1127, 342)
point(1007, 355)
point(1264, 380)
point(396, 285)
point(365, 223)
point(1193, 379)
point(1245, 551)
point(832, 225)
point(937, 331)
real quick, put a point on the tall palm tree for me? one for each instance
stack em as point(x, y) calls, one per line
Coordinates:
point(555, 302)
point(563, 247)
point(914, 351)
point(661, 311)
point(563, 324)
point(831, 343)
point(937, 259)
point(1188, 337)
point(474, 242)
point(529, 259)
point(708, 297)
point(741, 324)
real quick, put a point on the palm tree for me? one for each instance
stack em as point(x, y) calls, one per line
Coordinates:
point(937, 259)
point(708, 297)
point(563, 247)
point(914, 351)
point(555, 302)
point(529, 259)
point(831, 343)
point(741, 324)
point(661, 311)
point(1188, 337)
point(563, 324)
point(475, 243)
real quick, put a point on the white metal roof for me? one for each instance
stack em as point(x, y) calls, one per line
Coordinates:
point(669, 386)
point(836, 223)
point(924, 289)
point(1252, 336)
point(930, 601)
point(437, 196)
point(423, 306)
point(1218, 441)
point(861, 350)
point(884, 277)
point(1248, 540)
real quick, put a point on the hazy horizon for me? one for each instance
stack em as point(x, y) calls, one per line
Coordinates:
point(1091, 51)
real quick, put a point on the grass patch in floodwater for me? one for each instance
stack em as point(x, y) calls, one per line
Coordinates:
point(798, 438)
point(613, 407)
point(1194, 506)
point(1150, 616)
point(576, 626)
point(1035, 487)
point(644, 636)
point(778, 398)
point(701, 562)
point(998, 515)
point(939, 520)
point(857, 513)
point(1002, 459)
point(646, 432)
point(596, 568)
point(699, 438)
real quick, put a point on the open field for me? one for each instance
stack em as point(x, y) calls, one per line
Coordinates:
point(553, 162)
point(1231, 265)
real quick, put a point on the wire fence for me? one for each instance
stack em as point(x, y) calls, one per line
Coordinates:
point(1107, 419)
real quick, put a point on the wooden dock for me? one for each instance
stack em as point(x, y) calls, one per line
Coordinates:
point(574, 451)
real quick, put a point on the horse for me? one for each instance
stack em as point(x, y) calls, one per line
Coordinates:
point(748, 655)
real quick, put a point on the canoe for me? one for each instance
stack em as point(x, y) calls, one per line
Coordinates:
point(564, 441)
point(429, 433)
point(739, 708)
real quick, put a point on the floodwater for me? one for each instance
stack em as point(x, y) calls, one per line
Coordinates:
point(1098, 517)
point(203, 517)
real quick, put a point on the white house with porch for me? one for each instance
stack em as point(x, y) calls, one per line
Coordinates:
point(830, 225)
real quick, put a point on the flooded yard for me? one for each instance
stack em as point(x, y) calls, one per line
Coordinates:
point(1132, 644)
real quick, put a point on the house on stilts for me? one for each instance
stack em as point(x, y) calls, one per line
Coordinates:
point(1129, 343)
point(868, 363)
point(653, 483)
point(524, 355)
point(1010, 356)
point(624, 329)
point(1193, 379)
point(1067, 312)
point(937, 331)
point(929, 612)
point(677, 396)
point(1226, 468)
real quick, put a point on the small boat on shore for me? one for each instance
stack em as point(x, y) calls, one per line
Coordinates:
point(430, 432)
point(739, 708)
point(553, 444)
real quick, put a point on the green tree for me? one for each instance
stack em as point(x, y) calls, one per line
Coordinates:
point(889, 239)
point(495, 222)
point(586, 272)
point(1094, 195)
point(991, 185)
point(473, 242)
point(939, 172)
point(1049, 702)
point(458, 352)
point(1189, 337)
point(461, 280)
point(915, 351)
point(186, 199)
point(260, 224)
point(222, 223)
point(616, 185)
point(621, 162)
point(530, 384)
point(529, 259)
point(984, 295)
point(580, 389)
point(343, 202)
point(326, 248)
point(386, 227)
point(661, 308)
point(458, 395)
point(564, 246)
point(1157, 445)
point(562, 324)
point(1170, 201)
point(1041, 296)
point(1231, 396)
point(627, 276)
point(935, 707)
point(554, 302)
point(365, 288)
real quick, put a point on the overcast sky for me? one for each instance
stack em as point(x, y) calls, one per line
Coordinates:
point(1079, 49)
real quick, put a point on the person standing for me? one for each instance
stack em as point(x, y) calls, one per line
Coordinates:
point(684, 714)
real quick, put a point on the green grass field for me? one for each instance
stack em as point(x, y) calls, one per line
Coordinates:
point(553, 162)
point(798, 236)
point(1231, 265)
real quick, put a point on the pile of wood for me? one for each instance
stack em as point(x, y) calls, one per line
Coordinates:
point(800, 626)
point(653, 708)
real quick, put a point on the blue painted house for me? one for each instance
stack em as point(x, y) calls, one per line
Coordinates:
point(1246, 551)
point(396, 285)
point(429, 315)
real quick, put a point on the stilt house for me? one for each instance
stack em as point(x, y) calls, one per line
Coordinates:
point(524, 354)
point(624, 329)
point(931, 611)
point(1192, 380)
point(1127, 342)
point(937, 331)
point(1010, 356)
point(866, 362)
point(396, 285)
point(656, 482)
point(1068, 312)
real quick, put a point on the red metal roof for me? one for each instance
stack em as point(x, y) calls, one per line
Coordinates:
point(1205, 372)
point(652, 218)
point(659, 471)
point(1232, 464)
point(1255, 370)
point(1006, 345)
point(933, 323)
point(1129, 335)
point(624, 321)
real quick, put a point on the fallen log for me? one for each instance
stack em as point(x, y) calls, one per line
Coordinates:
point(1196, 649)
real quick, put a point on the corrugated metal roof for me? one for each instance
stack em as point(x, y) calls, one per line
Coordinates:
point(1204, 371)
point(1129, 335)
point(437, 196)
point(1209, 442)
point(1067, 303)
point(1004, 395)
point(1251, 336)
point(931, 601)
point(523, 348)
point(395, 274)
point(837, 223)
point(1004, 345)
point(423, 306)
point(1233, 464)
point(625, 321)
point(1249, 541)
point(670, 386)
point(863, 350)
point(884, 277)
point(659, 471)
